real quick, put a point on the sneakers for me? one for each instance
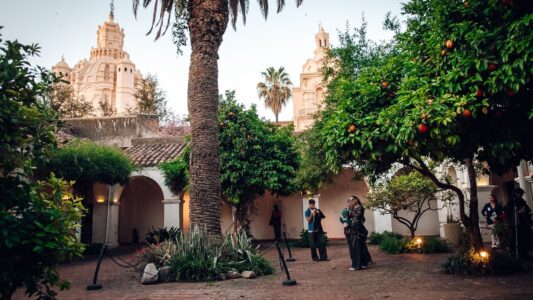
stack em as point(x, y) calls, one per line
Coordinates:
point(364, 267)
point(352, 269)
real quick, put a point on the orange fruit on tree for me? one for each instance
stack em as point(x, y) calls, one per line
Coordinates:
point(385, 84)
point(467, 113)
point(423, 128)
point(449, 44)
point(352, 128)
point(479, 93)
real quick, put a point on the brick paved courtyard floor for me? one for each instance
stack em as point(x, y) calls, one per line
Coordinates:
point(408, 276)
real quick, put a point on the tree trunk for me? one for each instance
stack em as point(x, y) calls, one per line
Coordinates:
point(276, 118)
point(412, 230)
point(207, 24)
point(475, 234)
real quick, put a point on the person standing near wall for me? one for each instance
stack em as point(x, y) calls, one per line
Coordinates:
point(275, 221)
point(357, 234)
point(314, 218)
point(492, 211)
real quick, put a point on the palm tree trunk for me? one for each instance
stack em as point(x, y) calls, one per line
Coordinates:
point(207, 24)
point(276, 118)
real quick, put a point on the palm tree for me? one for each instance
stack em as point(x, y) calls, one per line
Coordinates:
point(275, 90)
point(206, 21)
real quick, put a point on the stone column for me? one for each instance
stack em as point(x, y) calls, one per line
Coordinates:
point(171, 213)
point(100, 220)
point(483, 193)
point(525, 182)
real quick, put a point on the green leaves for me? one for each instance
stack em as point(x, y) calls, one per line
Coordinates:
point(176, 173)
point(86, 163)
point(255, 156)
point(486, 71)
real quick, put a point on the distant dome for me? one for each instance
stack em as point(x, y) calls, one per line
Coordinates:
point(62, 64)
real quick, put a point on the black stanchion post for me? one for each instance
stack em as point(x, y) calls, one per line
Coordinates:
point(288, 248)
point(288, 281)
point(96, 286)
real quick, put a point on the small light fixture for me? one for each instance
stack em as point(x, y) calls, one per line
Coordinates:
point(100, 199)
point(484, 254)
point(418, 241)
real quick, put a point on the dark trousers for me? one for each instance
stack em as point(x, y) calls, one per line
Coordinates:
point(358, 249)
point(317, 241)
point(277, 232)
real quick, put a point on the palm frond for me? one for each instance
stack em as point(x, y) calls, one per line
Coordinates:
point(162, 9)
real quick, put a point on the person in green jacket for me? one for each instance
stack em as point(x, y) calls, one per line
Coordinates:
point(352, 218)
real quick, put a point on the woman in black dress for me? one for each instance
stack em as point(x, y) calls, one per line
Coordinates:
point(357, 234)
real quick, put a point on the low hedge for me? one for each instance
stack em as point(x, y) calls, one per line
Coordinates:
point(394, 243)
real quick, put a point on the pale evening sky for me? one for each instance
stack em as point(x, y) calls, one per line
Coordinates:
point(287, 39)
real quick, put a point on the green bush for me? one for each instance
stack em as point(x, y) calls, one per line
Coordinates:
point(87, 162)
point(304, 241)
point(376, 238)
point(393, 245)
point(176, 174)
point(435, 245)
point(194, 256)
point(468, 263)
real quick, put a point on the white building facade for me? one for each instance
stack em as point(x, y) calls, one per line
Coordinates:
point(108, 75)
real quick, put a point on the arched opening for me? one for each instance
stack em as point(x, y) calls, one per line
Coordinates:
point(319, 95)
point(428, 223)
point(141, 208)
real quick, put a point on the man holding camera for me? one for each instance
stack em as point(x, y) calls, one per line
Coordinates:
point(314, 218)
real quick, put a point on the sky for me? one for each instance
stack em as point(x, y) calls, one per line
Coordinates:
point(68, 27)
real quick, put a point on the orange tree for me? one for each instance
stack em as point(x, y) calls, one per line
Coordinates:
point(455, 84)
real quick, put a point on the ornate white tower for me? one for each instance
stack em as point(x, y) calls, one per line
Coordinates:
point(108, 75)
point(309, 96)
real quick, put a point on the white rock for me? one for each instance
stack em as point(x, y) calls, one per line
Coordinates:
point(150, 274)
point(233, 275)
point(248, 274)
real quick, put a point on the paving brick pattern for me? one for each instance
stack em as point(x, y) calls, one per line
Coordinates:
point(408, 276)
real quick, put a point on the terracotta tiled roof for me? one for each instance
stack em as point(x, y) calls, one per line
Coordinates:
point(150, 152)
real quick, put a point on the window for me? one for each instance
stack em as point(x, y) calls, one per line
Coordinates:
point(119, 69)
point(125, 69)
point(131, 70)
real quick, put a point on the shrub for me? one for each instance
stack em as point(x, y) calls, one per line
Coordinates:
point(37, 219)
point(393, 245)
point(159, 235)
point(471, 263)
point(176, 173)
point(435, 245)
point(87, 162)
point(194, 256)
point(468, 263)
point(376, 238)
point(305, 242)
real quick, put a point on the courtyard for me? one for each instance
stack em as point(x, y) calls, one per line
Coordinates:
point(406, 276)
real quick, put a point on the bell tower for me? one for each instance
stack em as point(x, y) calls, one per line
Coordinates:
point(321, 38)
